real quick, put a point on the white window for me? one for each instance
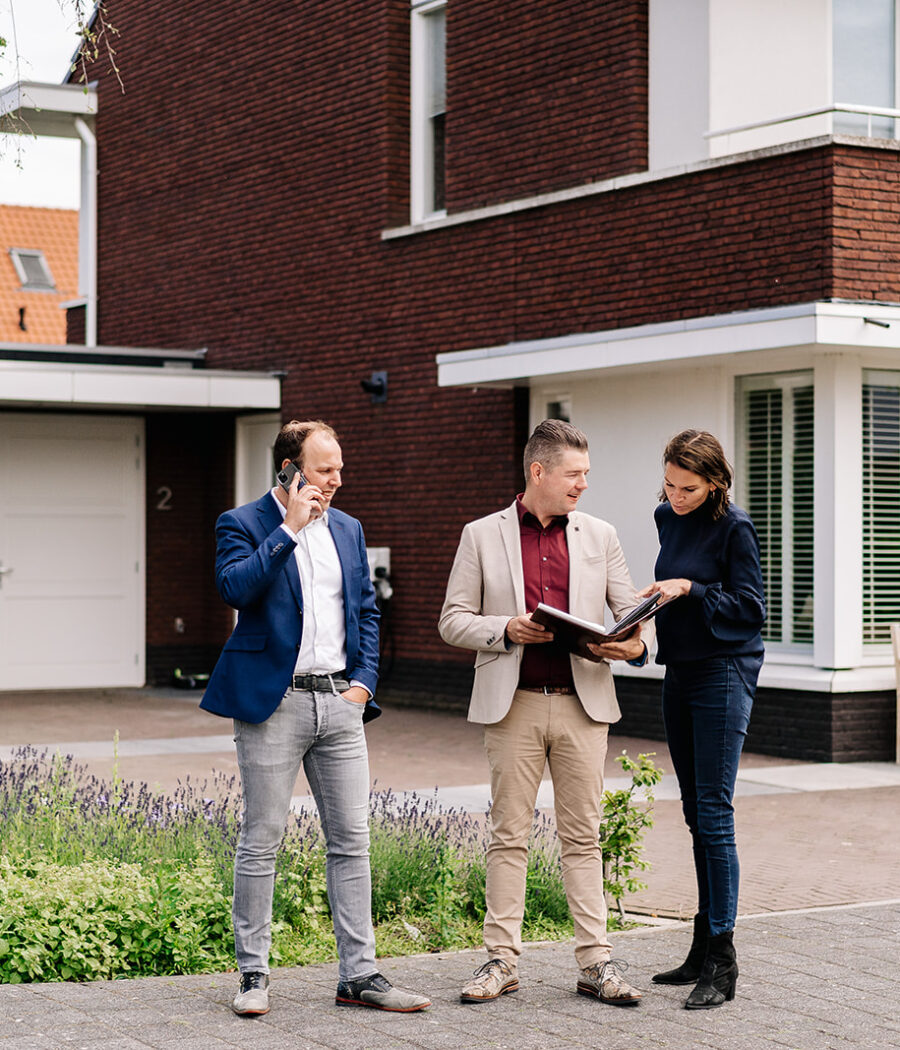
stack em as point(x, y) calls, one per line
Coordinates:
point(559, 406)
point(775, 475)
point(428, 80)
point(32, 270)
point(864, 57)
point(881, 504)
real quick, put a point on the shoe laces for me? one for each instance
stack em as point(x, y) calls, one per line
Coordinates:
point(252, 980)
point(487, 967)
point(612, 969)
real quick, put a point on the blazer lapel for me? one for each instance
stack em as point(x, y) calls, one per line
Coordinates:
point(512, 544)
point(574, 541)
point(345, 550)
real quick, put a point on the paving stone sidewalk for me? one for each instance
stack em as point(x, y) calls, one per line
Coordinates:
point(825, 979)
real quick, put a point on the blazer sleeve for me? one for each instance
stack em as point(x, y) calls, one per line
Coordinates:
point(244, 569)
point(365, 666)
point(463, 622)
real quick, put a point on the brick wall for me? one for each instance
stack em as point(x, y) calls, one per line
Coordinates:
point(543, 96)
point(786, 723)
point(866, 207)
point(189, 483)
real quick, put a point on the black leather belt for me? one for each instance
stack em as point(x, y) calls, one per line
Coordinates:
point(549, 690)
point(321, 683)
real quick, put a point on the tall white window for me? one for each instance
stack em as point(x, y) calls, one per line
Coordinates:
point(428, 81)
point(864, 60)
point(775, 472)
point(881, 504)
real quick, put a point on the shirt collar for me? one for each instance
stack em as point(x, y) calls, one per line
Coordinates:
point(527, 519)
point(283, 510)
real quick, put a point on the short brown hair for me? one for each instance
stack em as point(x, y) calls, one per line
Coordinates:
point(292, 437)
point(701, 453)
point(548, 442)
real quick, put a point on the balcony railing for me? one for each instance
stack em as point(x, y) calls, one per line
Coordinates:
point(869, 112)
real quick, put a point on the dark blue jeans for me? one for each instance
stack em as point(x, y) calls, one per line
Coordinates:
point(706, 709)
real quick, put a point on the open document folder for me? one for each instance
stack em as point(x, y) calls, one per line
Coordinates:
point(575, 633)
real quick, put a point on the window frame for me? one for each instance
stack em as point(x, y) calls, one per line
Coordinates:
point(422, 166)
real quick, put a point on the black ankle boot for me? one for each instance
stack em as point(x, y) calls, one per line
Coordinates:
point(689, 971)
point(718, 976)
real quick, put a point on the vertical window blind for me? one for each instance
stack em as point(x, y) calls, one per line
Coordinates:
point(776, 487)
point(881, 505)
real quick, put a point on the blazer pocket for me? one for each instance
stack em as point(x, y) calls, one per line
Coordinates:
point(482, 658)
point(247, 642)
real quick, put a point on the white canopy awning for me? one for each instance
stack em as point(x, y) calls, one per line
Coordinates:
point(173, 383)
point(826, 325)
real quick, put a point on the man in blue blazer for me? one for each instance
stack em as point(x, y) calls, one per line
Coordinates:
point(298, 676)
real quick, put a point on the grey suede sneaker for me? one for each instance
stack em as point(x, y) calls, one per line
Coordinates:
point(253, 997)
point(377, 992)
point(492, 979)
point(605, 982)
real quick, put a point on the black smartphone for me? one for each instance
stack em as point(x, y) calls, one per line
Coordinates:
point(286, 476)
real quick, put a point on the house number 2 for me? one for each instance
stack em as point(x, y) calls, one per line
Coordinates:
point(165, 498)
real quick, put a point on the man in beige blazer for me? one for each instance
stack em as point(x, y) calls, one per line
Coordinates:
point(538, 703)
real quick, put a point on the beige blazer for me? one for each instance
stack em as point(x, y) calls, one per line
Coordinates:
point(487, 588)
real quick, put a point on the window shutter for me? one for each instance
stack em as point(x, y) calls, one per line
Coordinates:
point(802, 533)
point(777, 492)
point(763, 485)
point(881, 510)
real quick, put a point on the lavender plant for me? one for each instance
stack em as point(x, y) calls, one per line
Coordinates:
point(105, 878)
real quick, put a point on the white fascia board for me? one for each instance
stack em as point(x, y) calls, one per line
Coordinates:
point(129, 387)
point(803, 324)
point(48, 109)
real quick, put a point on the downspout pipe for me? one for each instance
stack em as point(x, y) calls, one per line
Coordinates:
point(87, 230)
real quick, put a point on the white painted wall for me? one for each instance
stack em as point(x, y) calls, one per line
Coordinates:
point(628, 420)
point(678, 103)
point(768, 58)
point(254, 470)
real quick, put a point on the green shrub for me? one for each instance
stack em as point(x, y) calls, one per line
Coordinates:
point(100, 919)
point(625, 819)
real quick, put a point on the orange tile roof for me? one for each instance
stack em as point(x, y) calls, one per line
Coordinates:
point(53, 231)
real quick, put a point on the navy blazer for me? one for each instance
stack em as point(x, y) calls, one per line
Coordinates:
point(256, 573)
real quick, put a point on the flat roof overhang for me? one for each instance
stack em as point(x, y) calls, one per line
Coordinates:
point(823, 325)
point(48, 109)
point(54, 377)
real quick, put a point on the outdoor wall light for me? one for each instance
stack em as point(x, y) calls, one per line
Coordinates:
point(376, 385)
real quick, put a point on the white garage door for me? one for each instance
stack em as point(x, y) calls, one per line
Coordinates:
point(71, 551)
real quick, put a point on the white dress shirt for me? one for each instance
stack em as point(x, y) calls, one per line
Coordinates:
point(323, 642)
point(323, 645)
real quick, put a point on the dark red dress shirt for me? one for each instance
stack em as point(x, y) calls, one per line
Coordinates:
point(545, 564)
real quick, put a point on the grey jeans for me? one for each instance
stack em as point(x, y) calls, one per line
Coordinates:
point(324, 732)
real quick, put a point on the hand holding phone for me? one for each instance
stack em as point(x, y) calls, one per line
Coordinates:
point(286, 475)
point(304, 501)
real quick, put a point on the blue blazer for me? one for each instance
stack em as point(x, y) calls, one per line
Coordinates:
point(256, 573)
